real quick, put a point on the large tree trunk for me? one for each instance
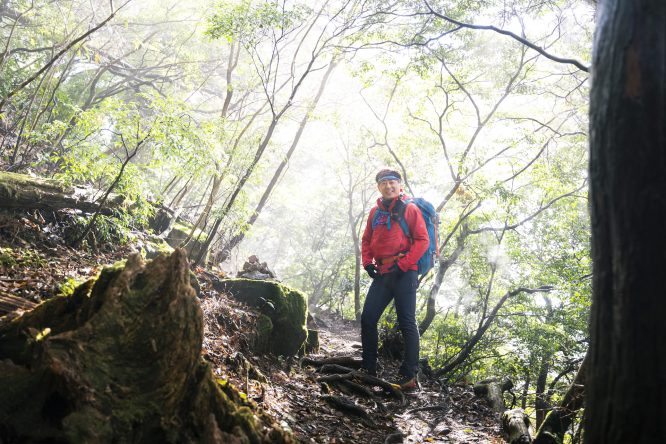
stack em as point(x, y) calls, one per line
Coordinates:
point(119, 361)
point(627, 397)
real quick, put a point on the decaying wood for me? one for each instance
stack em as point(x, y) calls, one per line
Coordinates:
point(120, 361)
point(10, 303)
point(515, 424)
point(22, 191)
point(493, 391)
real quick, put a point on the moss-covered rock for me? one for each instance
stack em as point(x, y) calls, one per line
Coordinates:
point(119, 361)
point(286, 308)
point(179, 233)
point(156, 245)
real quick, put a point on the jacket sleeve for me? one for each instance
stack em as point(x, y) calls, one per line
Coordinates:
point(419, 233)
point(366, 251)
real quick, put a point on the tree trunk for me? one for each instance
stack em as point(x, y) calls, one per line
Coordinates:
point(120, 361)
point(444, 265)
point(540, 404)
point(626, 399)
point(238, 238)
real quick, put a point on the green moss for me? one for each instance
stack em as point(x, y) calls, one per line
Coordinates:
point(285, 306)
point(154, 246)
point(7, 258)
point(122, 364)
point(10, 258)
point(68, 287)
point(185, 228)
point(180, 232)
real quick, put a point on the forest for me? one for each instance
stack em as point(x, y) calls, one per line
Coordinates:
point(247, 132)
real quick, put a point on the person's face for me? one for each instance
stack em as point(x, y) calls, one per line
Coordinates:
point(390, 189)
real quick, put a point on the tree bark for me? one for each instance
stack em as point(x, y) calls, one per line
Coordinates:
point(626, 399)
point(21, 191)
point(516, 426)
point(120, 361)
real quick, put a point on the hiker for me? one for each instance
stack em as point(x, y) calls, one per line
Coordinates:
point(390, 258)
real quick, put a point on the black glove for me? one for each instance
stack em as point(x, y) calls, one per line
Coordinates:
point(372, 270)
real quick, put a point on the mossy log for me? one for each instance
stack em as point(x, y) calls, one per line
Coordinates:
point(282, 329)
point(119, 361)
point(179, 233)
point(23, 191)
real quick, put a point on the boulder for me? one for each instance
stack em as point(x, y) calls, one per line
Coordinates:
point(284, 307)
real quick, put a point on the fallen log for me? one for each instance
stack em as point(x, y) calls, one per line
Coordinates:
point(120, 361)
point(10, 303)
point(493, 391)
point(21, 191)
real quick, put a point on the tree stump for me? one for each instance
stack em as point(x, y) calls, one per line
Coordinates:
point(119, 361)
point(515, 424)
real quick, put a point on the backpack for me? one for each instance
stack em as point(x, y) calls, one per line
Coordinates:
point(431, 218)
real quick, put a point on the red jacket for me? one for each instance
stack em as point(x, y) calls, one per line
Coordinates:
point(382, 242)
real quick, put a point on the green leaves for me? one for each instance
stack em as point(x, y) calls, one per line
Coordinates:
point(249, 22)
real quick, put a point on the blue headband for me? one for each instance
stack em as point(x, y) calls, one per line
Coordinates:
point(383, 178)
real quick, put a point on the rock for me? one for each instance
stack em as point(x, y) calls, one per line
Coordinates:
point(285, 307)
point(253, 269)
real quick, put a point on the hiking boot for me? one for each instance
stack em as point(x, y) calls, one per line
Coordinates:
point(410, 384)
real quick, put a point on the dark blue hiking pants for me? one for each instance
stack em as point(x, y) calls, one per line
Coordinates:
point(402, 290)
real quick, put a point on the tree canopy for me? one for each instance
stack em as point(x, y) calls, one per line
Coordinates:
point(261, 125)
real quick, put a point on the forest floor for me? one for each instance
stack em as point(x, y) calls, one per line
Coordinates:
point(36, 263)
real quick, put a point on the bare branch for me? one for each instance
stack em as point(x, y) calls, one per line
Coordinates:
point(516, 37)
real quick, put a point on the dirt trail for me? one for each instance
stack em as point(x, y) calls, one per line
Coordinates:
point(35, 263)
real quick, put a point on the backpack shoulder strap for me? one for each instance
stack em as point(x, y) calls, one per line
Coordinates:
point(401, 217)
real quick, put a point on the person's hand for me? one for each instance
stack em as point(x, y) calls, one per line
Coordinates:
point(372, 270)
